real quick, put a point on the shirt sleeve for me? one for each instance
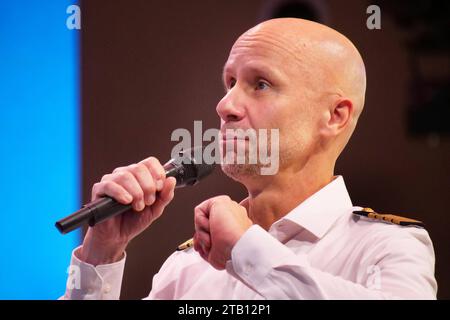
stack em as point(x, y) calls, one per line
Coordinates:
point(276, 272)
point(88, 282)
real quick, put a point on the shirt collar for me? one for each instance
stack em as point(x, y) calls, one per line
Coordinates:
point(318, 212)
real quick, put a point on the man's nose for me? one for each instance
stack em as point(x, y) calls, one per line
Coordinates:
point(231, 107)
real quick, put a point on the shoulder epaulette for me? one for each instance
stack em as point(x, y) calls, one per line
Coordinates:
point(368, 212)
point(185, 245)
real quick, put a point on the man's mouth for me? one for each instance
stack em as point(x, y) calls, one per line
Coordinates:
point(232, 136)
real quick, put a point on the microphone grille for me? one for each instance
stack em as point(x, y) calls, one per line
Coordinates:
point(194, 167)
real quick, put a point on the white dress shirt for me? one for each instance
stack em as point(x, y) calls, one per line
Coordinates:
point(319, 250)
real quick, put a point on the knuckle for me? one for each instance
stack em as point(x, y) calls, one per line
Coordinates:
point(141, 167)
point(144, 162)
point(132, 167)
point(123, 175)
point(135, 168)
point(221, 198)
point(153, 160)
point(149, 161)
point(106, 177)
point(118, 169)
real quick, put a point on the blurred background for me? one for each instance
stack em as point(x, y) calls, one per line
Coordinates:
point(77, 103)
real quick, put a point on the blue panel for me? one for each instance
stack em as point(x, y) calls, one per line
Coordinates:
point(39, 146)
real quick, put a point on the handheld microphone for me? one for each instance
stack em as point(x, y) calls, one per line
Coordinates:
point(184, 168)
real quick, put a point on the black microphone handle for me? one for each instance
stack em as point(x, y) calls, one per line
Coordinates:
point(92, 213)
point(106, 207)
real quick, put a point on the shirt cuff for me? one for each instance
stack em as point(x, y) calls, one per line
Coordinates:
point(88, 282)
point(257, 253)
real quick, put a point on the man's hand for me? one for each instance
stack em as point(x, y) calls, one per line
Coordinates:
point(219, 224)
point(137, 184)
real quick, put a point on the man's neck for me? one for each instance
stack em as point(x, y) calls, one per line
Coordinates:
point(277, 195)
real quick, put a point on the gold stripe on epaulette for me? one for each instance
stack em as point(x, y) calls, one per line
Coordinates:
point(185, 245)
point(402, 221)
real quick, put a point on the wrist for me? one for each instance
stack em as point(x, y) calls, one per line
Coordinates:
point(97, 253)
point(97, 257)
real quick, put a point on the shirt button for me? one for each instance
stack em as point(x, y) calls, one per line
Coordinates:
point(107, 288)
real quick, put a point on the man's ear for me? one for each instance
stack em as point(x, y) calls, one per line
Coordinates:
point(338, 117)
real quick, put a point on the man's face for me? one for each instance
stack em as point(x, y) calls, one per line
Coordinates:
point(269, 87)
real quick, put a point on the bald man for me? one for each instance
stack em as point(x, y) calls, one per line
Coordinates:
point(296, 235)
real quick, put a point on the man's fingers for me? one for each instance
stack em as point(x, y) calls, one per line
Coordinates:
point(197, 246)
point(200, 246)
point(145, 180)
point(201, 222)
point(127, 180)
point(165, 196)
point(113, 190)
point(167, 191)
point(156, 170)
point(205, 206)
point(204, 240)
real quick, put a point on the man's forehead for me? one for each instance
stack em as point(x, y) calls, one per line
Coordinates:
point(264, 49)
point(261, 65)
point(254, 61)
point(258, 59)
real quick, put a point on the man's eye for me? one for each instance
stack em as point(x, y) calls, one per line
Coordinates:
point(231, 83)
point(262, 85)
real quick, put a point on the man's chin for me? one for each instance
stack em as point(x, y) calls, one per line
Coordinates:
point(240, 171)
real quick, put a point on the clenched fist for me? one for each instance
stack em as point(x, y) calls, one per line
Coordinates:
point(219, 224)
